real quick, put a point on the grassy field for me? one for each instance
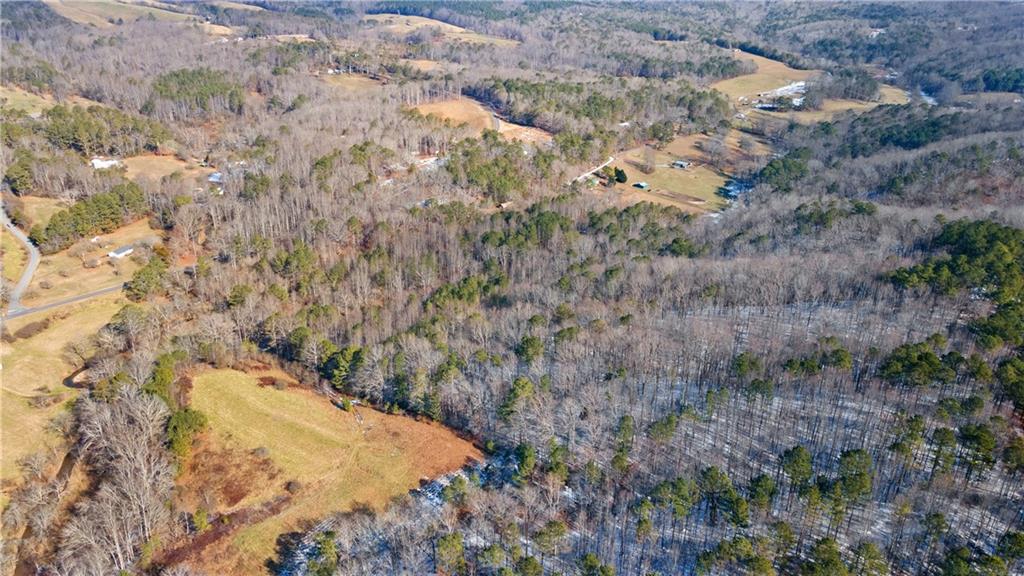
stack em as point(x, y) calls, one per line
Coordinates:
point(14, 98)
point(423, 65)
point(104, 14)
point(402, 25)
point(693, 189)
point(353, 82)
point(771, 74)
point(341, 460)
point(14, 257)
point(830, 108)
point(472, 114)
point(236, 5)
point(67, 276)
point(156, 167)
point(38, 210)
point(36, 367)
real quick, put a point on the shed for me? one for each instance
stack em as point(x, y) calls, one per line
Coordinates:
point(120, 252)
point(216, 178)
point(681, 164)
point(641, 185)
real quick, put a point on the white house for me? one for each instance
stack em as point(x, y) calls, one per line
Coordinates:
point(120, 252)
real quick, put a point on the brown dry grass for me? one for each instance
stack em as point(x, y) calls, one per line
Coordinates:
point(66, 275)
point(155, 167)
point(423, 65)
point(14, 258)
point(36, 366)
point(342, 460)
point(353, 82)
point(102, 14)
point(402, 25)
point(474, 116)
point(38, 210)
point(771, 74)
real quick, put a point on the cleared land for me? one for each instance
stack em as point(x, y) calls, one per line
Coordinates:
point(14, 257)
point(353, 82)
point(236, 5)
point(104, 14)
point(403, 25)
point(692, 189)
point(342, 460)
point(66, 274)
point(830, 108)
point(14, 98)
point(32, 375)
point(156, 167)
point(38, 210)
point(770, 74)
point(472, 114)
point(423, 65)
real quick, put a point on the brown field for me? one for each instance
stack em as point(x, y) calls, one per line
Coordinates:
point(38, 210)
point(402, 25)
point(771, 74)
point(104, 14)
point(34, 368)
point(216, 29)
point(341, 460)
point(236, 5)
point(458, 112)
point(423, 65)
point(67, 275)
point(886, 95)
point(156, 167)
point(14, 257)
point(472, 114)
point(693, 189)
point(353, 82)
point(14, 98)
point(690, 190)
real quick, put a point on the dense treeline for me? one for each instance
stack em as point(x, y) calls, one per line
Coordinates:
point(98, 214)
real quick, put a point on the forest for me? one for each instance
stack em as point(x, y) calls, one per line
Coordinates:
point(821, 375)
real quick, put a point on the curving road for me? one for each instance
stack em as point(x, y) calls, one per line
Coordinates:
point(15, 308)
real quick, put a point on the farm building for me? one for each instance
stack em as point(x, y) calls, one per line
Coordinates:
point(216, 178)
point(120, 252)
point(683, 164)
point(641, 185)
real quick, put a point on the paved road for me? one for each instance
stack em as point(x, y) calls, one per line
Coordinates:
point(64, 302)
point(33, 263)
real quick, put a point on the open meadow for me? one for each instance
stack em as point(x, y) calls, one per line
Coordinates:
point(15, 98)
point(34, 367)
point(105, 13)
point(403, 25)
point(696, 187)
point(336, 460)
point(770, 74)
point(476, 117)
point(14, 257)
point(156, 167)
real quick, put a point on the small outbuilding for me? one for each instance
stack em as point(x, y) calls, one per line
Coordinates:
point(120, 252)
point(641, 185)
point(682, 164)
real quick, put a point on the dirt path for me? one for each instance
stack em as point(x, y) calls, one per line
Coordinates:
point(26, 276)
